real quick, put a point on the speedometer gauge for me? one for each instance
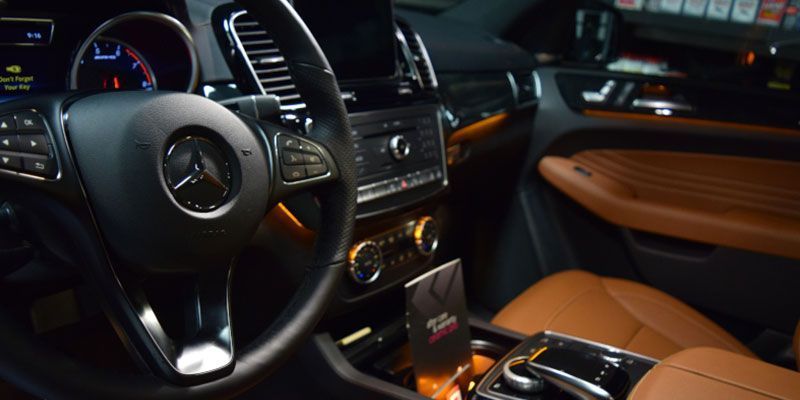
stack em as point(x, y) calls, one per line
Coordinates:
point(113, 65)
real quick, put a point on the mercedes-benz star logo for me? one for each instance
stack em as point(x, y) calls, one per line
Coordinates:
point(197, 173)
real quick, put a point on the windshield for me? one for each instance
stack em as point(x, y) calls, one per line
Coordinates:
point(747, 42)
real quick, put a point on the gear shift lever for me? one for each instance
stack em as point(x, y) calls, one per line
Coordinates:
point(588, 375)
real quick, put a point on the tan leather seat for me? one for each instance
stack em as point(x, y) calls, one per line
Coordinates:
point(796, 345)
point(616, 312)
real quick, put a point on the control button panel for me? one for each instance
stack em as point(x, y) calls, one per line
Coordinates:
point(25, 145)
point(397, 247)
point(398, 184)
point(300, 159)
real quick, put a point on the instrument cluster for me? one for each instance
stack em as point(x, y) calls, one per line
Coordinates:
point(51, 52)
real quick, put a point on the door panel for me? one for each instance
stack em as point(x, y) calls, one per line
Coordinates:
point(708, 211)
point(745, 203)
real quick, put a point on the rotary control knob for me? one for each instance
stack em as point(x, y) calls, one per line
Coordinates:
point(521, 378)
point(426, 235)
point(366, 261)
point(399, 147)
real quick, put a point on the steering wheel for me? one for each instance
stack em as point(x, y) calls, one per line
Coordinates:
point(151, 186)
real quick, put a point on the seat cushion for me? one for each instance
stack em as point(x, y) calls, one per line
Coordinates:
point(616, 312)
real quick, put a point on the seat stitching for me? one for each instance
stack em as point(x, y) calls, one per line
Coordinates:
point(680, 315)
point(724, 380)
point(628, 343)
point(564, 306)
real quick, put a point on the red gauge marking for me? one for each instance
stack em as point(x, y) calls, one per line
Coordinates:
point(141, 65)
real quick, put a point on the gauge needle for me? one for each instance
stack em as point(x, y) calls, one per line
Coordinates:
point(116, 82)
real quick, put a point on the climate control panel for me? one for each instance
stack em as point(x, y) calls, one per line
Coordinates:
point(414, 240)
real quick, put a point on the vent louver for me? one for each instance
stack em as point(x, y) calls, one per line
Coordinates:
point(266, 62)
point(421, 60)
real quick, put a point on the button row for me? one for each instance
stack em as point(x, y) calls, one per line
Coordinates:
point(24, 146)
point(31, 164)
point(300, 159)
point(25, 143)
point(26, 121)
point(399, 184)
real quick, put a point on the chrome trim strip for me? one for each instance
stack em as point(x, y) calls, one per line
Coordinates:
point(570, 383)
point(415, 75)
point(426, 57)
point(512, 81)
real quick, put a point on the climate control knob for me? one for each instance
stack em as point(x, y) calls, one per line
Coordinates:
point(366, 261)
point(426, 235)
point(399, 147)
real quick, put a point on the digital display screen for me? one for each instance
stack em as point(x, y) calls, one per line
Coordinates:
point(25, 67)
point(25, 32)
point(23, 71)
point(357, 36)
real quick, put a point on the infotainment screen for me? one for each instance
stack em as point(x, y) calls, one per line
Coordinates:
point(357, 36)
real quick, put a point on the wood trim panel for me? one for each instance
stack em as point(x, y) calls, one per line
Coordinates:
point(745, 203)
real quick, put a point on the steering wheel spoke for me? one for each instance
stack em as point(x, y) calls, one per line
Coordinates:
point(181, 325)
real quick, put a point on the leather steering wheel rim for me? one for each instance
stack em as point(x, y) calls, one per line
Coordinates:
point(50, 374)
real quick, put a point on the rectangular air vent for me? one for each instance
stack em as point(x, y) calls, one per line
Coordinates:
point(266, 62)
point(420, 54)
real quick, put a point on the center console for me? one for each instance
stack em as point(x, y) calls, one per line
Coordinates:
point(549, 365)
point(399, 157)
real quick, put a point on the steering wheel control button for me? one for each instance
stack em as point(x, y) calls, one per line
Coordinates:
point(39, 166)
point(312, 159)
point(300, 159)
point(292, 157)
point(10, 162)
point(316, 170)
point(9, 142)
point(288, 142)
point(34, 144)
point(7, 124)
point(29, 122)
point(293, 173)
point(198, 174)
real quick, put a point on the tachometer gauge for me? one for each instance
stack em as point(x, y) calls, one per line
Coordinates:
point(113, 65)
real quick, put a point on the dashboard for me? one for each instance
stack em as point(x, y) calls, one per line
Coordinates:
point(402, 110)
